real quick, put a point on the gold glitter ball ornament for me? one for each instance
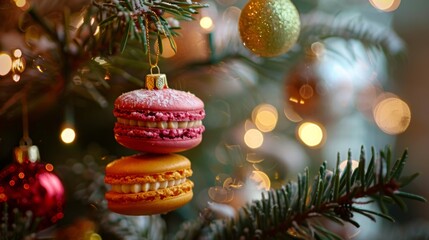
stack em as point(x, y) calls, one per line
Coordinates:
point(269, 27)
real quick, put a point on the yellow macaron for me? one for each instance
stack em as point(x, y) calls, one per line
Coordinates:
point(146, 184)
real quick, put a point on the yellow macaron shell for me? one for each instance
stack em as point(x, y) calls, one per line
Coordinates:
point(146, 164)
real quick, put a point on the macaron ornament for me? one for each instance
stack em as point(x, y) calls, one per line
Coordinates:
point(158, 119)
point(145, 184)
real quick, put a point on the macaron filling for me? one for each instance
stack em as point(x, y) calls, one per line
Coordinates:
point(160, 124)
point(144, 187)
point(158, 116)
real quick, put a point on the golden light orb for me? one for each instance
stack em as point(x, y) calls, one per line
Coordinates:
point(253, 138)
point(311, 134)
point(5, 64)
point(68, 135)
point(392, 115)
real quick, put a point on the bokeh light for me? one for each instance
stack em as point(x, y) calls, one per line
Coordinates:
point(5, 64)
point(20, 3)
point(16, 77)
point(68, 135)
point(311, 134)
point(385, 5)
point(253, 138)
point(343, 165)
point(206, 23)
point(17, 53)
point(392, 115)
point(49, 167)
point(265, 117)
point(261, 179)
point(291, 114)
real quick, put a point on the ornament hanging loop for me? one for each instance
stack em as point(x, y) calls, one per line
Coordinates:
point(157, 68)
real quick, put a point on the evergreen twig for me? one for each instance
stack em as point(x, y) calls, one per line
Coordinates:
point(292, 211)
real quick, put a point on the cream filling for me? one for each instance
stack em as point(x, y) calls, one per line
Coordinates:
point(162, 124)
point(144, 187)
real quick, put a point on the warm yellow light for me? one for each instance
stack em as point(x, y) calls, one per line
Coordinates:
point(39, 68)
point(5, 64)
point(16, 77)
point(17, 53)
point(97, 30)
point(253, 138)
point(206, 23)
point(343, 165)
point(311, 134)
point(94, 236)
point(168, 51)
point(385, 5)
point(68, 135)
point(265, 117)
point(392, 115)
point(80, 22)
point(20, 3)
point(261, 179)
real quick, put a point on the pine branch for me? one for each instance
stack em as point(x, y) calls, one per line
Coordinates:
point(293, 211)
point(22, 225)
point(121, 21)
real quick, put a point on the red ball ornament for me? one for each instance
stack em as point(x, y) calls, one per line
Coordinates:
point(27, 184)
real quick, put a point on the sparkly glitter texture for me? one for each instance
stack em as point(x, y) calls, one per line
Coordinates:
point(269, 27)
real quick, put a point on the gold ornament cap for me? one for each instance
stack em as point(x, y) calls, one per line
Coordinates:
point(27, 154)
point(156, 81)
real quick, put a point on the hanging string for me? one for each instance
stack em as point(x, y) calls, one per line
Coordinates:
point(156, 45)
point(25, 140)
point(158, 80)
point(152, 65)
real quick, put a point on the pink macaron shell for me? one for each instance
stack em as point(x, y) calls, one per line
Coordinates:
point(158, 145)
point(158, 100)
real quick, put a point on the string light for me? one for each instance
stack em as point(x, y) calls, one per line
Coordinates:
point(21, 3)
point(311, 134)
point(68, 135)
point(16, 77)
point(392, 115)
point(385, 5)
point(5, 64)
point(18, 65)
point(253, 138)
point(206, 23)
point(265, 117)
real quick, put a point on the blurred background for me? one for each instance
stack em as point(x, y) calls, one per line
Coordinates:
point(358, 76)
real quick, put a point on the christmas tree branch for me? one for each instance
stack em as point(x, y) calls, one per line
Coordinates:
point(295, 210)
point(135, 19)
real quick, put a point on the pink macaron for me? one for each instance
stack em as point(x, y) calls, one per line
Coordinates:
point(159, 121)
